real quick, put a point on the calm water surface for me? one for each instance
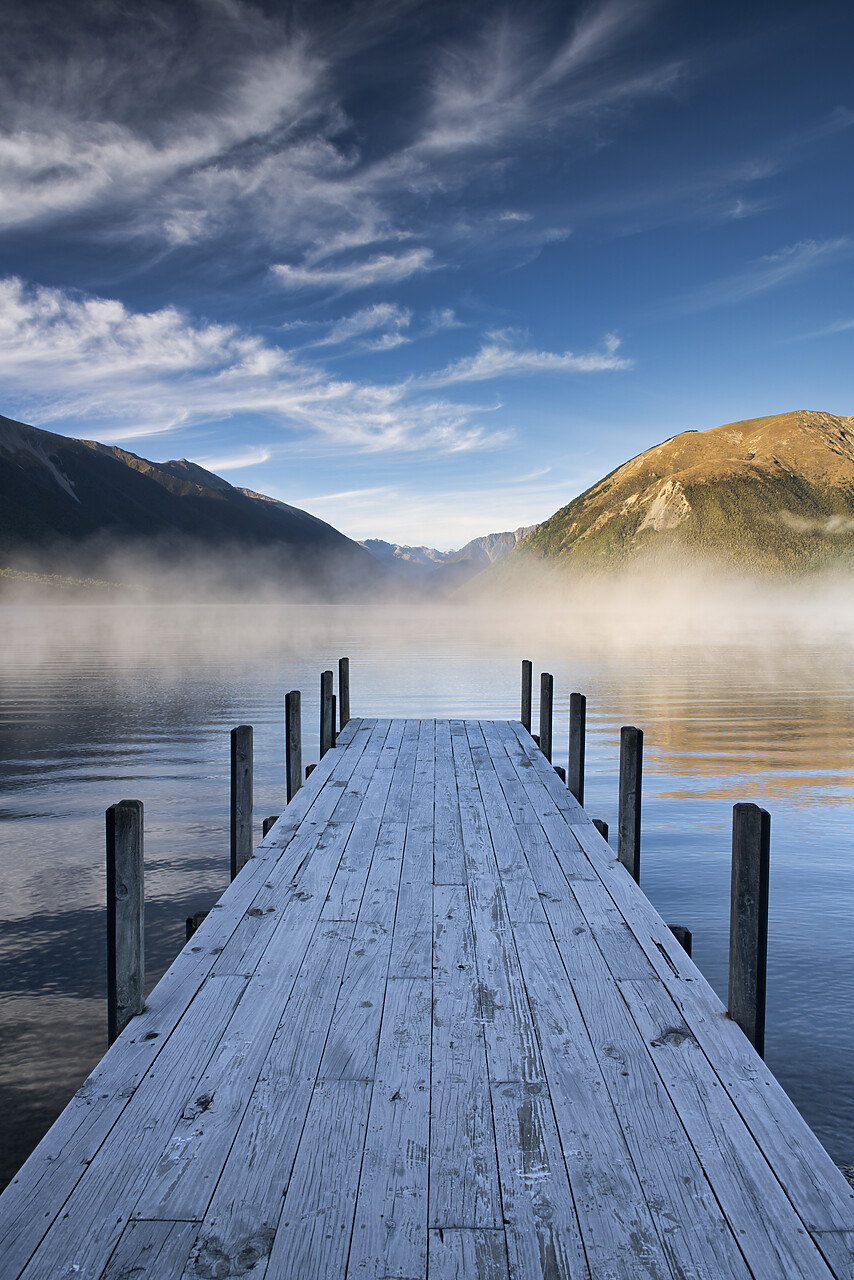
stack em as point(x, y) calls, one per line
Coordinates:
point(96, 706)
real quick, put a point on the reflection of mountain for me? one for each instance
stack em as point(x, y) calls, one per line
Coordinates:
point(767, 493)
point(443, 570)
point(65, 501)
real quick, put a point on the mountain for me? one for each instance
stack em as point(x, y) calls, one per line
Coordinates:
point(77, 503)
point(445, 570)
point(772, 493)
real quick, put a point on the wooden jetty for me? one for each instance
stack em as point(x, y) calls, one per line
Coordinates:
point(432, 1029)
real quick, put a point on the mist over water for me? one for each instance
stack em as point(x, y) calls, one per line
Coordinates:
point(744, 689)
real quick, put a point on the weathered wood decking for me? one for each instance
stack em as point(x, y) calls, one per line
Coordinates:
point(433, 1029)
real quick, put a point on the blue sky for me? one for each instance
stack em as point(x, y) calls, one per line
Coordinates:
point(426, 269)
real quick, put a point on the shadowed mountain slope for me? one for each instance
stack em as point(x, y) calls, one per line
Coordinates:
point(77, 501)
point(772, 493)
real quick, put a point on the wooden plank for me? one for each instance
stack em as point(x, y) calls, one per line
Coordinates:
point(313, 1238)
point(837, 1247)
point(390, 1228)
point(288, 908)
point(813, 1181)
point(467, 1255)
point(769, 1230)
point(412, 943)
point(543, 1236)
point(381, 889)
point(617, 1226)
point(244, 1212)
point(81, 1234)
point(464, 1188)
point(697, 1240)
point(151, 1249)
point(520, 891)
point(351, 1047)
point(448, 859)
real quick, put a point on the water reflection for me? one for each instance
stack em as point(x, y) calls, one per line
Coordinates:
point(119, 709)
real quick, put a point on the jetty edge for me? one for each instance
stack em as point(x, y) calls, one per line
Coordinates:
point(433, 1028)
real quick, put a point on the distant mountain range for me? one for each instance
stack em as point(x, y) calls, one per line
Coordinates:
point(772, 493)
point(75, 505)
point(444, 570)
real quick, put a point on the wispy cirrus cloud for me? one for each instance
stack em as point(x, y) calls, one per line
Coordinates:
point(768, 272)
point(379, 328)
point(227, 122)
point(384, 268)
point(498, 357)
point(103, 370)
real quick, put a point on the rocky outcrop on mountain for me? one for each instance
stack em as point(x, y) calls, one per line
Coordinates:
point(772, 493)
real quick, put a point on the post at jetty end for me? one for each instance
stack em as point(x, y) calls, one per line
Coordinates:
point(527, 683)
point(241, 797)
point(748, 924)
point(629, 820)
point(293, 743)
point(125, 915)
point(326, 713)
point(577, 732)
point(343, 692)
point(546, 699)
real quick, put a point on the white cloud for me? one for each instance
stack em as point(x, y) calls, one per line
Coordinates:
point(236, 461)
point(384, 317)
point(125, 375)
point(498, 358)
point(768, 272)
point(385, 268)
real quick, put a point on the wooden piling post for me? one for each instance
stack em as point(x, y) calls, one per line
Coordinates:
point(602, 827)
point(748, 922)
point(125, 915)
point(577, 733)
point(241, 797)
point(547, 685)
point(527, 682)
point(293, 743)
point(682, 936)
point(268, 824)
point(629, 820)
point(334, 720)
point(343, 691)
point(325, 712)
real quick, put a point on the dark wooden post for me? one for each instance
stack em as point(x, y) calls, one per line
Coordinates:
point(547, 685)
point(268, 824)
point(748, 921)
point(682, 936)
point(527, 682)
point(577, 732)
point(334, 720)
point(241, 797)
point(629, 820)
point(602, 827)
point(293, 743)
point(343, 691)
point(125, 916)
point(325, 712)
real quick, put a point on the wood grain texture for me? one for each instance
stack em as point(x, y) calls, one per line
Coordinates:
point(433, 1028)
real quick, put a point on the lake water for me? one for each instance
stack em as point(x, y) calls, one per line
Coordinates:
point(100, 703)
